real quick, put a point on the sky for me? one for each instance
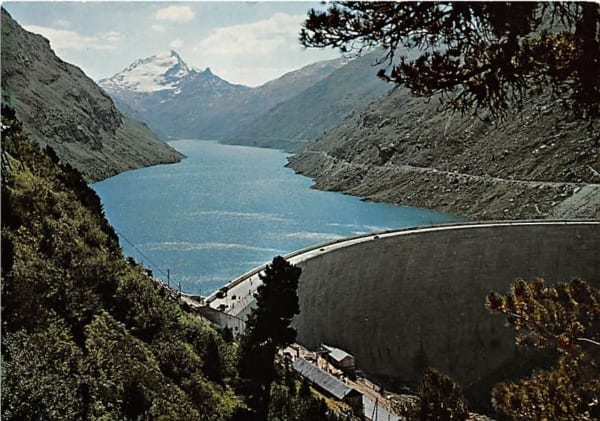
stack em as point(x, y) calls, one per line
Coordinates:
point(242, 42)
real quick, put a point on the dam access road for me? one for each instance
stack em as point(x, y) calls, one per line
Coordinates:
point(399, 300)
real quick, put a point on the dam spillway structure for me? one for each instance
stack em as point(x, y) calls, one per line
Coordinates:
point(402, 300)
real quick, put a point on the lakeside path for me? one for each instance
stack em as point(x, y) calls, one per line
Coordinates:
point(475, 196)
point(455, 174)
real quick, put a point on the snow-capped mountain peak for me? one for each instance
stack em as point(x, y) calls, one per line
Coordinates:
point(157, 73)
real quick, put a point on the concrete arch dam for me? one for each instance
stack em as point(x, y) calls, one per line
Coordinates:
point(400, 300)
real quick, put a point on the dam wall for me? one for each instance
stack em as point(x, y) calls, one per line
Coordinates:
point(408, 299)
point(403, 300)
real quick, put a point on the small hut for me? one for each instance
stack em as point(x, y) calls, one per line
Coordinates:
point(340, 359)
point(329, 385)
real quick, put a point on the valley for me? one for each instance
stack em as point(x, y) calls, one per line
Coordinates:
point(423, 169)
point(180, 102)
point(351, 134)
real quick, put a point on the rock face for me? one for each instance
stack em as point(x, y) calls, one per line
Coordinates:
point(61, 107)
point(179, 101)
point(540, 163)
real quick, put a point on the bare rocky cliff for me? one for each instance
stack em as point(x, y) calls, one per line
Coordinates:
point(541, 163)
point(61, 107)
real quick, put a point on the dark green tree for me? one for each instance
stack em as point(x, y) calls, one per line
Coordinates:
point(475, 54)
point(268, 329)
point(564, 319)
point(227, 334)
point(304, 389)
point(212, 366)
point(41, 376)
point(441, 398)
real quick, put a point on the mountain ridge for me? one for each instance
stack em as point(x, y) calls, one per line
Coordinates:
point(299, 121)
point(162, 72)
point(180, 69)
point(201, 104)
point(63, 108)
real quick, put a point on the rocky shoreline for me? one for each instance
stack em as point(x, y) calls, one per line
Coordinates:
point(540, 162)
point(471, 196)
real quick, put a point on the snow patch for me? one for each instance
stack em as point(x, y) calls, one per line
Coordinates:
point(157, 73)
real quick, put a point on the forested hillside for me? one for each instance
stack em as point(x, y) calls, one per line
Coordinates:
point(85, 333)
point(88, 334)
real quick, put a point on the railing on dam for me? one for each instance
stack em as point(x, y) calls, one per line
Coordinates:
point(311, 252)
point(410, 230)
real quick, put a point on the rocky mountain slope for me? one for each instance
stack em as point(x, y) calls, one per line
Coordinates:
point(61, 107)
point(182, 102)
point(541, 163)
point(294, 123)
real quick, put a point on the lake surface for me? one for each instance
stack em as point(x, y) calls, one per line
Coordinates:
point(227, 209)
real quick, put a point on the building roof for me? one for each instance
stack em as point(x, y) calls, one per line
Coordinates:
point(336, 353)
point(323, 379)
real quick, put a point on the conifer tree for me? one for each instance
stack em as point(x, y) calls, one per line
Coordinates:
point(441, 398)
point(475, 54)
point(268, 329)
point(565, 319)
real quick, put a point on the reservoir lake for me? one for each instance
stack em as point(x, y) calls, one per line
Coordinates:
point(227, 209)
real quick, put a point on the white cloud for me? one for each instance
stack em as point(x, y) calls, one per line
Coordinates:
point(277, 33)
point(158, 28)
point(112, 36)
point(62, 23)
point(62, 39)
point(267, 48)
point(175, 14)
point(176, 43)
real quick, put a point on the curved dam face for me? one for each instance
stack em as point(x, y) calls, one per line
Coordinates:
point(403, 300)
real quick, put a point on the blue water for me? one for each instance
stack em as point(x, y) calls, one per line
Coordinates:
point(227, 209)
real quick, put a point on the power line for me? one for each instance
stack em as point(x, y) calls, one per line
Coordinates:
point(141, 253)
point(167, 275)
